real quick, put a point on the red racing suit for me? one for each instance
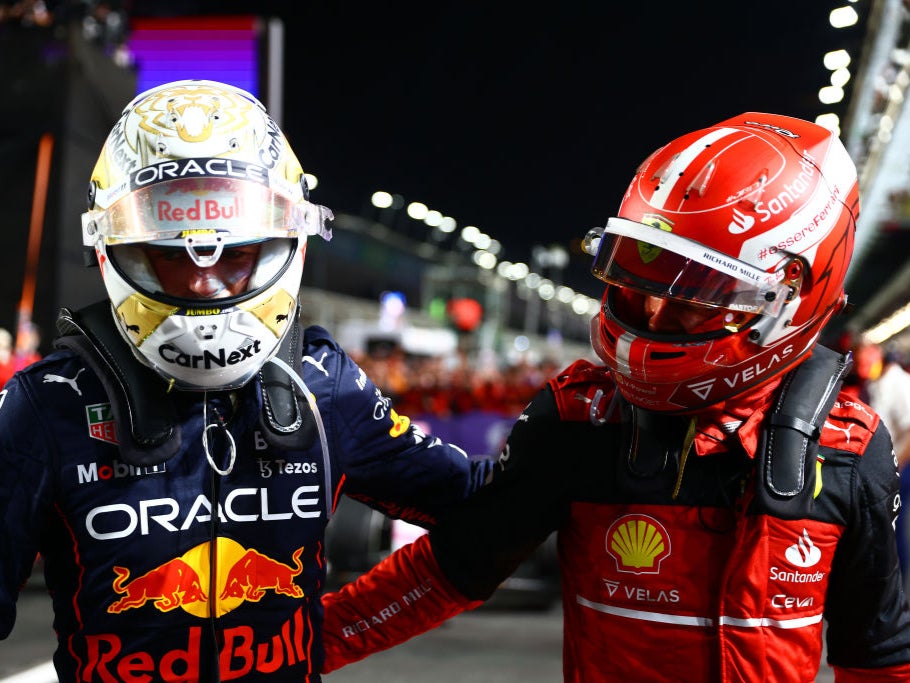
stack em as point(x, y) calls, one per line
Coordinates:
point(172, 571)
point(674, 569)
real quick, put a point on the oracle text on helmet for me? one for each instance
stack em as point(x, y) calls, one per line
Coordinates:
point(199, 168)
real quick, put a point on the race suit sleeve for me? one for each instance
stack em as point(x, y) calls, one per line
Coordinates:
point(467, 555)
point(385, 460)
point(868, 618)
point(402, 596)
point(24, 495)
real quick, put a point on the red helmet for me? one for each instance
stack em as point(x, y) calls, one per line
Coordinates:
point(750, 223)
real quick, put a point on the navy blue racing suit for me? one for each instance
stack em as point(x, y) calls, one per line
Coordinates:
point(174, 572)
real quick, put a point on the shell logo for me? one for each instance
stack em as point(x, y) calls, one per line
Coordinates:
point(638, 543)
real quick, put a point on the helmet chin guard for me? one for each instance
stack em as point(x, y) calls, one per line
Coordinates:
point(747, 227)
point(199, 219)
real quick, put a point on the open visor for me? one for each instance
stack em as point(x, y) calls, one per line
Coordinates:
point(171, 209)
point(658, 263)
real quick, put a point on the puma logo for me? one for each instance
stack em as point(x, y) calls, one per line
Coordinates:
point(317, 363)
point(49, 377)
point(840, 429)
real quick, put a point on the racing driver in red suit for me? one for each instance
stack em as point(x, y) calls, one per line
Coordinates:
point(716, 498)
point(176, 460)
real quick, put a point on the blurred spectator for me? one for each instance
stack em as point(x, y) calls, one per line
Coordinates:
point(867, 367)
point(889, 396)
point(28, 339)
point(25, 352)
point(26, 13)
point(447, 387)
point(7, 365)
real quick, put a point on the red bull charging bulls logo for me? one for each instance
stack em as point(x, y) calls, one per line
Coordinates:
point(241, 575)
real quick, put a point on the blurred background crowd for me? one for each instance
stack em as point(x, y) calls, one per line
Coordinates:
point(17, 353)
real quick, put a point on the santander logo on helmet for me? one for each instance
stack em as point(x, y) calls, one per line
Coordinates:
point(741, 222)
point(757, 217)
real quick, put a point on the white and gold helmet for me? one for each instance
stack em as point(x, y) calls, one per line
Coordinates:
point(199, 217)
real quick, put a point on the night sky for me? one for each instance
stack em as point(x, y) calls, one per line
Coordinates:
point(526, 124)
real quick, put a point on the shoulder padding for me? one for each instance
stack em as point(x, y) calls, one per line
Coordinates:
point(850, 425)
point(141, 401)
point(585, 392)
point(286, 419)
point(315, 334)
point(147, 425)
point(789, 443)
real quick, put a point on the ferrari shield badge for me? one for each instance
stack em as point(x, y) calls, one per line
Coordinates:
point(649, 252)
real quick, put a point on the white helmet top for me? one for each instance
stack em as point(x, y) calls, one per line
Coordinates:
point(198, 214)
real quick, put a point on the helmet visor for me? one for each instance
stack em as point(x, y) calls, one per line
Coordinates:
point(172, 209)
point(658, 263)
point(198, 272)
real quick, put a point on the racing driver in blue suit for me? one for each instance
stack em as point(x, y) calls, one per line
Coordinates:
point(176, 459)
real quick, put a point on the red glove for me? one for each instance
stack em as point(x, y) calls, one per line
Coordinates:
point(403, 596)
